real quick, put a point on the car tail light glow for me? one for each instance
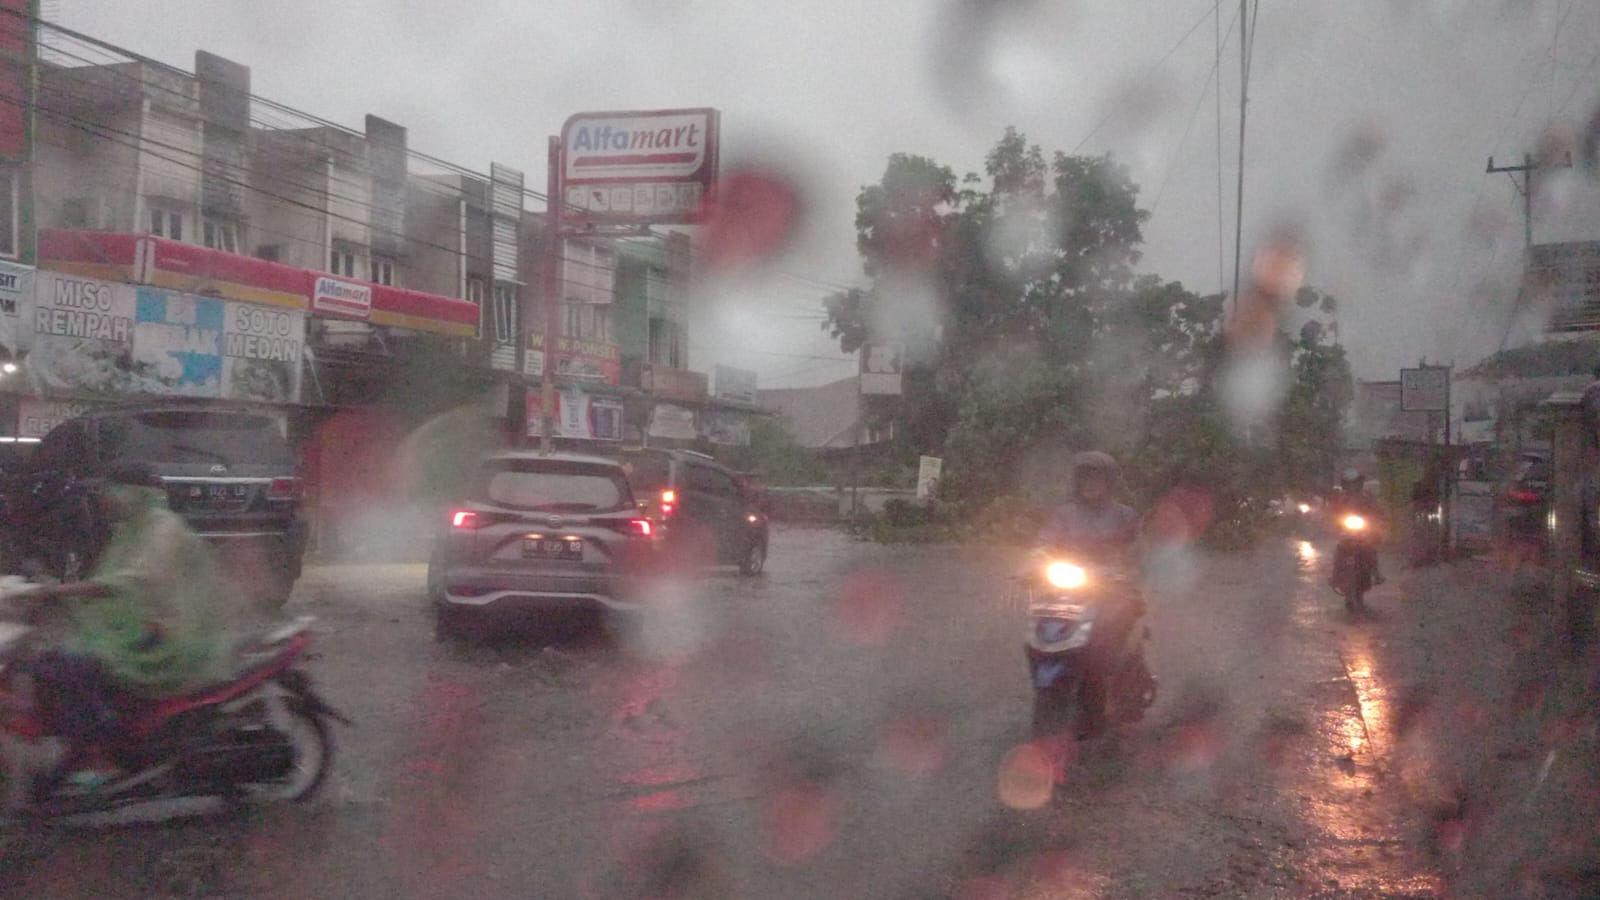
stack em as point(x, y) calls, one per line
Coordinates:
point(463, 518)
point(284, 489)
point(1524, 496)
point(642, 527)
point(669, 501)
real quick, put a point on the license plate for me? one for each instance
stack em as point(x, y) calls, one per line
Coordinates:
point(218, 494)
point(552, 548)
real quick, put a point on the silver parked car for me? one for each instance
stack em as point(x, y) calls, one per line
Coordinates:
point(537, 534)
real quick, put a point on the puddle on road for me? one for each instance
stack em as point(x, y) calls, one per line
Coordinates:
point(1362, 822)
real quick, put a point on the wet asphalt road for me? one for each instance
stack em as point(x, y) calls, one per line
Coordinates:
point(846, 726)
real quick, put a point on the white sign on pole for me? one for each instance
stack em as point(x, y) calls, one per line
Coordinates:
point(880, 369)
point(1567, 278)
point(1425, 390)
point(928, 476)
point(638, 167)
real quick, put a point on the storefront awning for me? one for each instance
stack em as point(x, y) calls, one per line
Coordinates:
point(144, 259)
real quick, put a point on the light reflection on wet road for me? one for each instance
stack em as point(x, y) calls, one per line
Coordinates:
point(835, 729)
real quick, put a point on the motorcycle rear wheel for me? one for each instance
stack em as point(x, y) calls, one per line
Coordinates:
point(312, 744)
point(1055, 712)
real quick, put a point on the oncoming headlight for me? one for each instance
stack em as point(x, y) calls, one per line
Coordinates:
point(1065, 575)
point(1355, 523)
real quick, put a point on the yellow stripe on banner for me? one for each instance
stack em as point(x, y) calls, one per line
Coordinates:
point(421, 323)
point(231, 290)
point(98, 271)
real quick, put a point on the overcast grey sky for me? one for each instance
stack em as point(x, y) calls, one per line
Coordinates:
point(1420, 245)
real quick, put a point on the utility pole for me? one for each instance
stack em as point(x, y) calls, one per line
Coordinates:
point(553, 251)
point(1528, 168)
point(1244, 95)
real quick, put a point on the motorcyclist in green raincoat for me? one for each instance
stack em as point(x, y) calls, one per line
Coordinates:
point(153, 618)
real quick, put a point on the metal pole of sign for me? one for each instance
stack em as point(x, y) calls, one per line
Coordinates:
point(552, 299)
point(1447, 510)
point(855, 449)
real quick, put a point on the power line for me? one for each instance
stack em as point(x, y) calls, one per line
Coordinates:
point(1172, 166)
point(114, 51)
point(252, 172)
point(1145, 76)
point(104, 132)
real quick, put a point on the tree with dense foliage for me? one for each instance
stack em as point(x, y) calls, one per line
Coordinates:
point(1030, 332)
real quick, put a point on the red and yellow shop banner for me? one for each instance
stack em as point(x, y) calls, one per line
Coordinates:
point(148, 260)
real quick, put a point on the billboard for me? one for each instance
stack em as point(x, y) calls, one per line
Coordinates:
point(576, 359)
point(1567, 277)
point(737, 385)
point(730, 427)
point(86, 336)
point(579, 415)
point(880, 368)
point(1425, 390)
point(16, 289)
point(638, 167)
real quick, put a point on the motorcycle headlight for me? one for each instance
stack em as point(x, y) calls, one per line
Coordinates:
point(1355, 523)
point(1065, 575)
point(1304, 508)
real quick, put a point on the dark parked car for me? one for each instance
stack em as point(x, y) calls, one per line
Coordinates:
point(705, 510)
point(541, 534)
point(230, 473)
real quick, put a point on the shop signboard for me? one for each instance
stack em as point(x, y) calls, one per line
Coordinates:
point(737, 385)
point(638, 167)
point(16, 285)
point(579, 416)
point(728, 427)
point(86, 336)
point(36, 416)
point(673, 422)
point(576, 359)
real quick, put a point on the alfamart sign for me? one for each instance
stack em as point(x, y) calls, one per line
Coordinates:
point(638, 167)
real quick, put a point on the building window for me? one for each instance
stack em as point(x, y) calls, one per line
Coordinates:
point(75, 213)
point(8, 213)
point(220, 235)
point(342, 262)
point(269, 252)
point(475, 291)
point(166, 222)
point(665, 346)
point(572, 319)
point(382, 270)
point(505, 312)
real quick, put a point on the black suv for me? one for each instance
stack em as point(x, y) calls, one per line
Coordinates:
point(705, 510)
point(228, 472)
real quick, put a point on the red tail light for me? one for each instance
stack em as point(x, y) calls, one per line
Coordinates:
point(669, 502)
point(1524, 497)
point(642, 527)
point(284, 489)
point(464, 519)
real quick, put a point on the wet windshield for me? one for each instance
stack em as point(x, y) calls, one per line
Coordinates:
point(820, 307)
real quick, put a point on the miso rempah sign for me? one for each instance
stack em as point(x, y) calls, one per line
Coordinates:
point(640, 167)
point(1425, 390)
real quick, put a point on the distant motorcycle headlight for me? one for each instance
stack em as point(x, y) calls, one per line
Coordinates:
point(1304, 508)
point(1066, 576)
point(1355, 523)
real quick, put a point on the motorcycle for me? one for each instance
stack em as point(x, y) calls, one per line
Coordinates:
point(260, 736)
point(1085, 648)
point(1355, 561)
